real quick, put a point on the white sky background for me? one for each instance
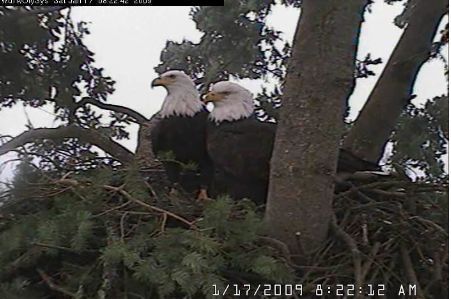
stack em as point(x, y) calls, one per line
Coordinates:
point(127, 42)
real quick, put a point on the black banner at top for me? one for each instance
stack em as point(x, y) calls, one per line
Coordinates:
point(112, 2)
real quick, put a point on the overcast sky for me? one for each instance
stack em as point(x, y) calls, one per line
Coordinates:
point(128, 41)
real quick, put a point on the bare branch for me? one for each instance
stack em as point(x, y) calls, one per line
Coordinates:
point(120, 190)
point(356, 254)
point(85, 135)
point(393, 90)
point(371, 258)
point(148, 206)
point(136, 116)
point(410, 271)
point(54, 286)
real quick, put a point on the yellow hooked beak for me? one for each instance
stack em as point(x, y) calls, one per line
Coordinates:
point(160, 81)
point(213, 97)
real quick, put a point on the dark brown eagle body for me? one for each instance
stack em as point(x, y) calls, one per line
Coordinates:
point(241, 146)
point(241, 152)
point(180, 143)
point(350, 163)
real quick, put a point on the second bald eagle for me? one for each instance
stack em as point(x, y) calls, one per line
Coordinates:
point(240, 145)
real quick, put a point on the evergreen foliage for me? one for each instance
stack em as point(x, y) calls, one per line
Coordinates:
point(106, 233)
point(93, 242)
point(421, 139)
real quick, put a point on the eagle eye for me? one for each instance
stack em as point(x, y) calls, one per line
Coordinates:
point(171, 76)
point(226, 93)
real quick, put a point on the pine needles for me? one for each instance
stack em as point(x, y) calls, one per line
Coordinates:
point(109, 234)
point(120, 234)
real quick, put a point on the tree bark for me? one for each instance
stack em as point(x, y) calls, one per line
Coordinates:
point(319, 80)
point(393, 91)
point(144, 153)
point(135, 116)
point(85, 135)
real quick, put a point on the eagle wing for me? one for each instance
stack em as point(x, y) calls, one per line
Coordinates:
point(243, 148)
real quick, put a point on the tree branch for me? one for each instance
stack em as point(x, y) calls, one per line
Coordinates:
point(410, 271)
point(130, 198)
point(54, 286)
point(150, 207)
point(144, 153)
point(356, 254)
point(393, 90)
point(85, 135)
point(136, 116)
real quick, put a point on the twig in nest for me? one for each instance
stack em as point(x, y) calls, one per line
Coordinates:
point(163, 222)
point(152, 191)
point(54, 247)
point(74, 183)
point(427, 222)
point(113, 209)
point(437, 266)
point(384, 184)
point(54, 286)
point(122, 226)
point(388, 193)
point(356, 255)
point(68, 182)
point(367, 265)
point(365, 229)
point(146, 205)
point(66, 175)
point(410, 271)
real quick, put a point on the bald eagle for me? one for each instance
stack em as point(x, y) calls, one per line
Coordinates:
point(179, 136)
point(240, 145)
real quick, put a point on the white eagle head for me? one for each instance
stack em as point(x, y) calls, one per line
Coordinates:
point(183, 98)
point(231, 101)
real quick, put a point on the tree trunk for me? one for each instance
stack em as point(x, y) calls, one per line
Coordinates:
point(319, 80)
point(393, 90)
